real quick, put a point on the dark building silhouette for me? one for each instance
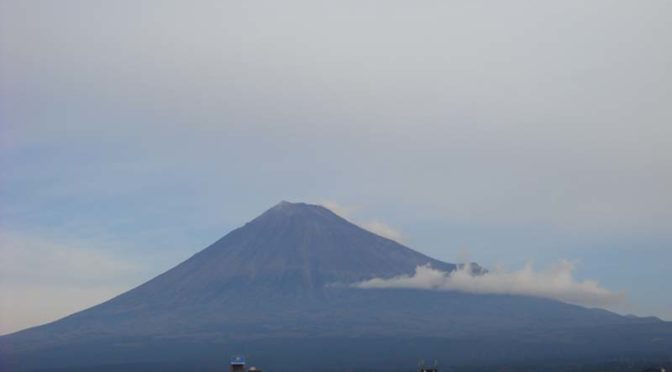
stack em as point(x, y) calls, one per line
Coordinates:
point(423, 368)
point(237, 364)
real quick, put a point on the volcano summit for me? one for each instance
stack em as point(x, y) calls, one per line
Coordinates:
point(278, 289)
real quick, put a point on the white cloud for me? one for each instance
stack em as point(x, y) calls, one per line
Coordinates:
point(375, 226)
point(42, 280)
point(384, 230)
point(339, 209)
point(556, 282)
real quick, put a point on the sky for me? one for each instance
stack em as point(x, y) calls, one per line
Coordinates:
point(135, 133)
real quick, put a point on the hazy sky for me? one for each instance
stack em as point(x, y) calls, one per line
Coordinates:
point(134, 133)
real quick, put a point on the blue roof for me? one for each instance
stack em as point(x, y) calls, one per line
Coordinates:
point(238, 360)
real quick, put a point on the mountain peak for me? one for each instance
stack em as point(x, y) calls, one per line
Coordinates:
point(294, 210)
point(287, 205)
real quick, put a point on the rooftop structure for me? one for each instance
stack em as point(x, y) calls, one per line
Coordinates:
point(237, 363)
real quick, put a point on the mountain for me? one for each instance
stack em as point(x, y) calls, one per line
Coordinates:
point(292, 249)
point(278, 290)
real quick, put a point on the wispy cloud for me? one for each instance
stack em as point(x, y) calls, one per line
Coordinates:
point(42, 280)
point(556, 282)
point(374, 225)
point(341, 210)
point(384, 230)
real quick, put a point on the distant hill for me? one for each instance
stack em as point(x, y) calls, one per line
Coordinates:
point(277, 290)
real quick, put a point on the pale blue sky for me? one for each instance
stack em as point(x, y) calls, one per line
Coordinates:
point(135, 133)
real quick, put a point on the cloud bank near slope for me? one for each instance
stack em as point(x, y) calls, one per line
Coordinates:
point(556, 282)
